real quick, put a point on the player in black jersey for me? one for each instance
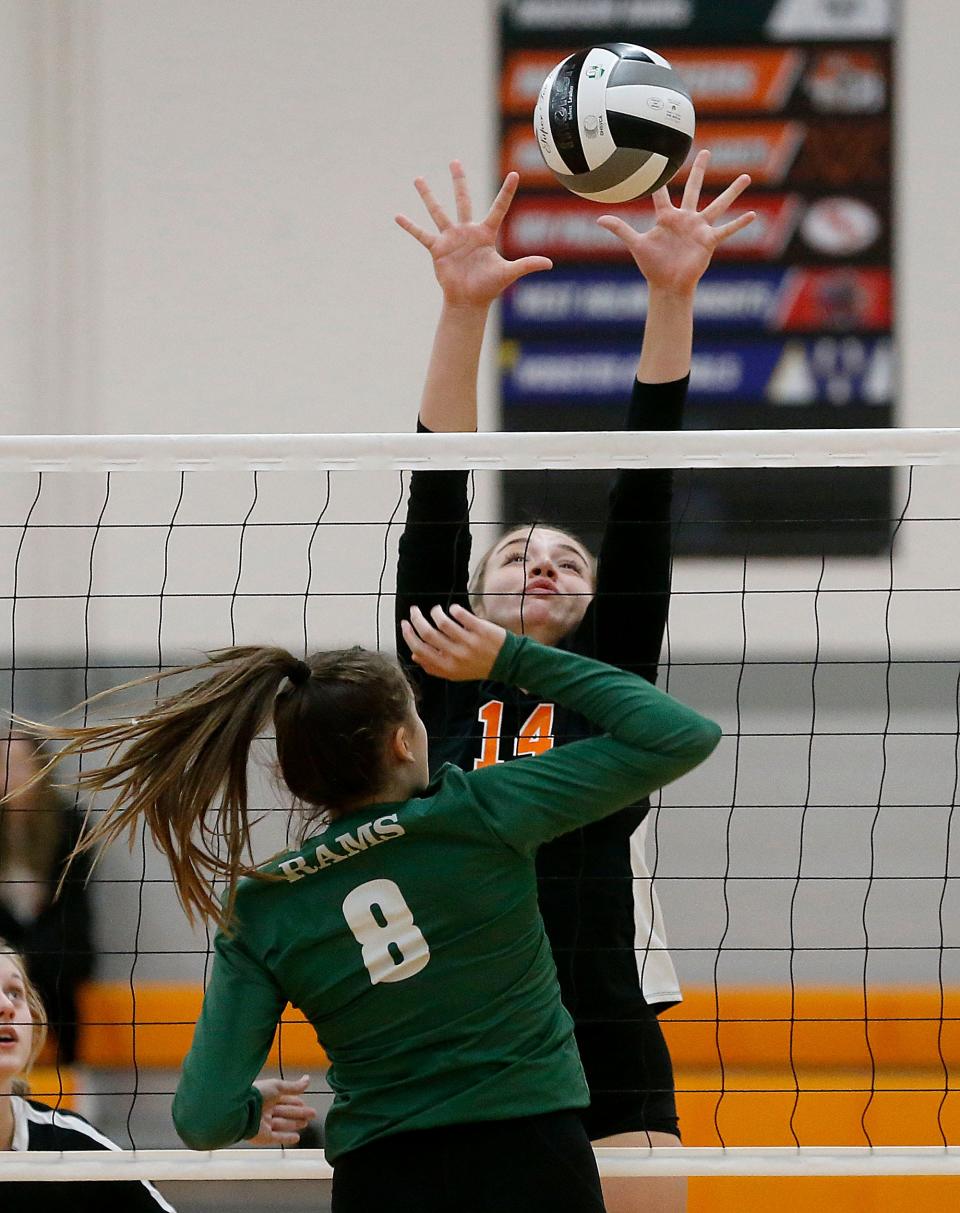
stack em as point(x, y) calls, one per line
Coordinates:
point(597, 901)
point(27, 1124)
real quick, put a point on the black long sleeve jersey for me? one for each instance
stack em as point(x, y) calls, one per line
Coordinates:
point(597, 900)
point(39, 1127)
point(58, 943)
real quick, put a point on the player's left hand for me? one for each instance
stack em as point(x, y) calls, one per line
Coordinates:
point(675, 252)
point(284, 1114)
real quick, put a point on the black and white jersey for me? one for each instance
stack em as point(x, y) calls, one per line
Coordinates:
point(39, 1127)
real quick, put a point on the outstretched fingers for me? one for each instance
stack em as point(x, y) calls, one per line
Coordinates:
point(735, 225)
point(661, 201)
point(691, 191)
point(722, 203)
point(461, 193)
point(527, 265)
point(426, 238)
point(619, 228)
point(501, 204)
point(436, 211)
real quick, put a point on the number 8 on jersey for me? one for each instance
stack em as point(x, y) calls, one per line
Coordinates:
point(391, 943)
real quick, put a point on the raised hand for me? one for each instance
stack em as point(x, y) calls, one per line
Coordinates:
point(470, 270)
point(458, 646)
point(284, 1115)
point(676, 251)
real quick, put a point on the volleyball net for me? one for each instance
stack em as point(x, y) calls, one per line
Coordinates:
point(806, 875)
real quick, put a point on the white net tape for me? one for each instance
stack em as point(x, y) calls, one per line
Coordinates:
point(224, 1165)
point(496, 452)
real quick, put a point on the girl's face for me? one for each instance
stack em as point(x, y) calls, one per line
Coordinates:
point(16, 1023)
point(537, 583)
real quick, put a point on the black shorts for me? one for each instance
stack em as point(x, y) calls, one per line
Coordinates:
point(533, 1164)
point(630, 1075)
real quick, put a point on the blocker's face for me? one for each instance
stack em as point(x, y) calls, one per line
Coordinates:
point(16, 1023)
point(537, 583)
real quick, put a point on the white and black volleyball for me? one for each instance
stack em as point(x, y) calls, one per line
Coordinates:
point(614, 122)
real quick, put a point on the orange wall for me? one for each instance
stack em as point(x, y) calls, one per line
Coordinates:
point(752, 1101)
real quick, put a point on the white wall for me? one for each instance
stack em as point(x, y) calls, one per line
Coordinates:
point(224, 176)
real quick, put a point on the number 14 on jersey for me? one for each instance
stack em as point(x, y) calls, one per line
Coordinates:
point(535, 735)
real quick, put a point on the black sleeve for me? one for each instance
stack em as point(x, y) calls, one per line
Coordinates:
point(624, 624)
point(58, 944)
point(67, 1130)
point(62, 935)
point(433, 564)
point(133, 1197)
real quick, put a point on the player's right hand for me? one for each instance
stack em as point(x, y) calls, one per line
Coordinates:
point(458, 646)
point(470, 270)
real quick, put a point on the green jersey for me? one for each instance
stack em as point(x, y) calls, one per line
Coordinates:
point(409, 936)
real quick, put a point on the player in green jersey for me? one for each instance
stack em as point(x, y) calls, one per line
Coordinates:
point(405, 925)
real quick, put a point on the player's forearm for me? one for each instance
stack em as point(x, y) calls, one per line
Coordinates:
point(667, 337)
point(622, 704)
point(205, 1120)
point(449, 401)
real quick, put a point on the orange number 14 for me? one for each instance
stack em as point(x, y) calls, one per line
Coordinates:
point(535, 737)
point(491, 717)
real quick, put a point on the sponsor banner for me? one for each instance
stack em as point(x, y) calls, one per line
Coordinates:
point(731, 80)
point(522, 77)
point(839, 226)
point(772, 300)
point(607, 19)
point(566, 228)
point(845, 298)
point(646, 21)
point(794, 316)
point(616, 300)
point(724, 80)
point(851, 153)
point(790, 19)
point(793, 373)
point(846, 81)
point(847, 153)
point(830, 228)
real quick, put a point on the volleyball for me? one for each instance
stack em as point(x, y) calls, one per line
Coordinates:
point(614, 122)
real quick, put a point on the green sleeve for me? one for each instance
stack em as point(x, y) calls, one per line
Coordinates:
point(649, 740)
point(216, 1103)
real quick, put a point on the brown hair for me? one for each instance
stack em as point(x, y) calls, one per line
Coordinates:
point(523, 530)
point(37, 847)
point(182, 766)
point(37, 1013)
